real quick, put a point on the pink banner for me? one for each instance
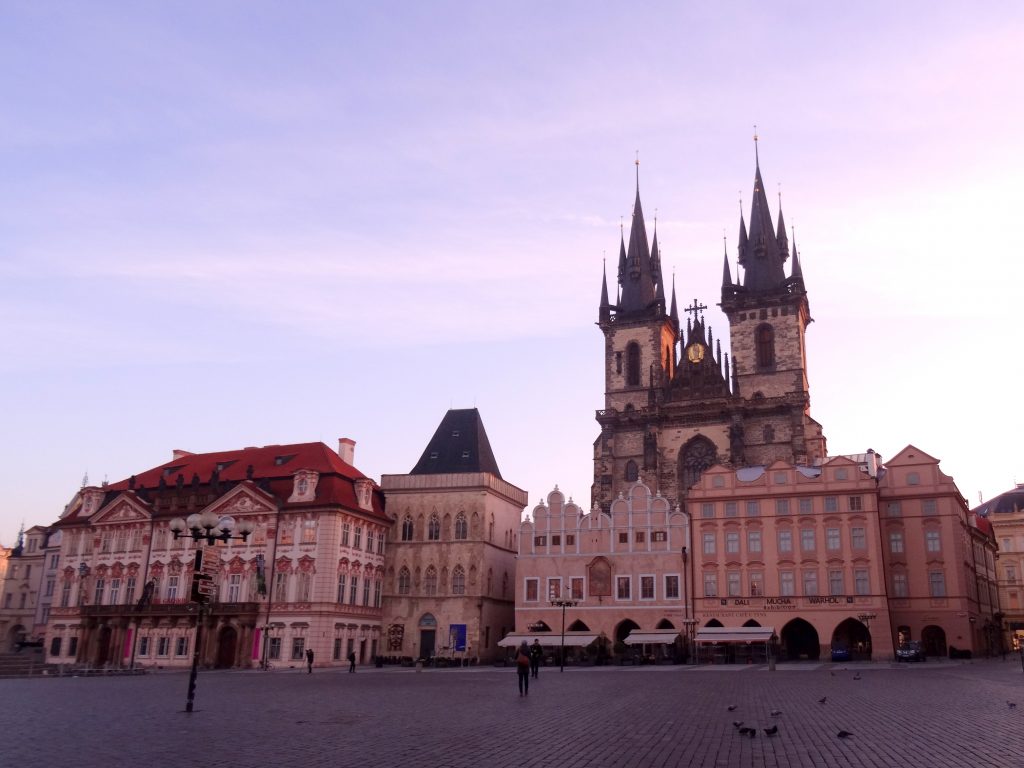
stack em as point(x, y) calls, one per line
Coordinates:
point(256, 644)
point(128, 643)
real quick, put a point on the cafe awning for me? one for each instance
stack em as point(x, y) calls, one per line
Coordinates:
point(636, 637)
point(549, 639)
point(735, 634)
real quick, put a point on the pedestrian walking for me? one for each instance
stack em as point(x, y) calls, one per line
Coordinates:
point(523, 669)
point(352, 661)
point(309, 660)
point(536, 654)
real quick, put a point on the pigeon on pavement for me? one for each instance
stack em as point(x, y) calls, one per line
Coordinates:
point(844, 734)
point(823, 699)
point(731, 707)
point(771, 731)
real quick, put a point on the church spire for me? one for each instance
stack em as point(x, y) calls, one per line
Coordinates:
point(798, 272)
point(605, 310)
point(780, 234)
point(761, 258)
point(726, 275)
point(674, 312)
point(640, 277)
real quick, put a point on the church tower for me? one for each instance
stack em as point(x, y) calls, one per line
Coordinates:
point(671, 412)
point(768, 316)
point(640, 357)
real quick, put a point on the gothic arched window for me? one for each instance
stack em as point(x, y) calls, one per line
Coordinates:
point(434, 528)
point(764, 340)
point(461, 528)
point(632, 473)
point(769, 433)
point(458, 581)
point(430, 581)
point(407, 529)
point(695, 457)
point(633, 364)
point(404, 580)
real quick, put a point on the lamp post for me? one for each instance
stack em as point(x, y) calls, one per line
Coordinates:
point(687, 621)
point(563, 603)
point(206, 526)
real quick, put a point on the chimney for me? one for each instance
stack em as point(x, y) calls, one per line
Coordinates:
point(347, 450)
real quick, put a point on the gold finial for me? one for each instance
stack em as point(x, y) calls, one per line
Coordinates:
point(757, 160)
point(780, 195)
point(637, 161)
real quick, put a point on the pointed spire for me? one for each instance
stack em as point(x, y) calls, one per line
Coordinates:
point(780, 234)
point(761, 258)
point(718, 352)
point(622, 253)
point(725, 369)
point(710, 337)
point(798, 272)
point(640, 277)
point(726, 275)
point(659, 293)
point(674, 312)
point(604, 311)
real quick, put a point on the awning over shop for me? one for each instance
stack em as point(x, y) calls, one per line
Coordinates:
point(637, 637)
point(735, 634)
point(549, 639)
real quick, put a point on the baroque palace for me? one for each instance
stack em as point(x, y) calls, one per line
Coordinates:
point(719, 525)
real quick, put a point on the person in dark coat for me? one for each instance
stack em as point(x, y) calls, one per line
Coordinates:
point(309, 660)
point(523, 669)
point(536, 654)
point(352, 661)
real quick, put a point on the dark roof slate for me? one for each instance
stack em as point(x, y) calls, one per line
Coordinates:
point(459, 444)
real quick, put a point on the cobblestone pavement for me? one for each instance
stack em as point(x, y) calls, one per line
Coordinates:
point(937, 714)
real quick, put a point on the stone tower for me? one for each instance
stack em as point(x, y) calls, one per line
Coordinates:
point(674, 404)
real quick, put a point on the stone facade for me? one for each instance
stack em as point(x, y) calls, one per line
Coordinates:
point(451, 567)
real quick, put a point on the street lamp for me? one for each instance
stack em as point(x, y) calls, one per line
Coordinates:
point(208, 526)
point(563, 603)
point(687, 621)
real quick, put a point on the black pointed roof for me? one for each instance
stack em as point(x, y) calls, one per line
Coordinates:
point(639, 277)
point(762, 258)
point(460, 444)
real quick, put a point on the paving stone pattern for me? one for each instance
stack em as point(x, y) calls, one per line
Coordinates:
point(937, 715)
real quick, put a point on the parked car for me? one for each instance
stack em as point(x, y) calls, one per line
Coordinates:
point(911, 651)
point(841, 653)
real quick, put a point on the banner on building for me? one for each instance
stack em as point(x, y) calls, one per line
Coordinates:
point(457, 637)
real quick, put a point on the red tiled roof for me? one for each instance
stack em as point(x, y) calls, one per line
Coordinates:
point(264, 461)
point(272, 469)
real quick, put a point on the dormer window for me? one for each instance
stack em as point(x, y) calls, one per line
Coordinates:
point(304, 488)
point(282, 460)
point(465, 454)
point(433, 454)
point(455, 433)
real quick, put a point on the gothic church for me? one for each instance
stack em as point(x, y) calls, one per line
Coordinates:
point(674, 403)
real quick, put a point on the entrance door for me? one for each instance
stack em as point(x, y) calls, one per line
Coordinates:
point(427, 643)
point(227, 646)
point(103, 646)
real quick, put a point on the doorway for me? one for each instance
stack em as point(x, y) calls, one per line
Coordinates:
point(227, 647)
